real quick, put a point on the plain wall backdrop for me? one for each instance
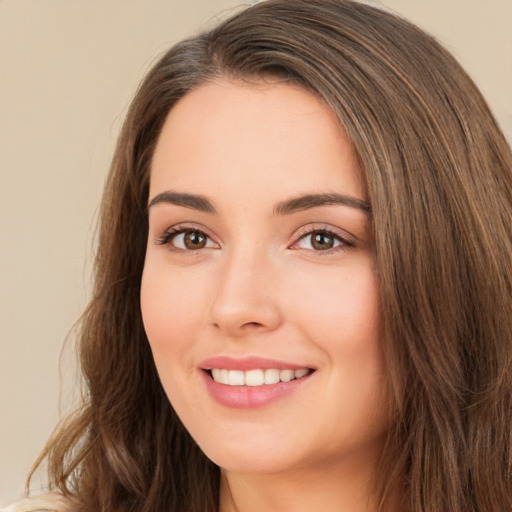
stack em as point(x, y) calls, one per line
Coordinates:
point(68, 69)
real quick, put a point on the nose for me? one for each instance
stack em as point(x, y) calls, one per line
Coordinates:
point(245, 299)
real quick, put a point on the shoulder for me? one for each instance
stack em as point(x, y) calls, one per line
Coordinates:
point(53, 502)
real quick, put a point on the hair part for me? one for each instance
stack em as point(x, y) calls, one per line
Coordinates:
point(438, 173)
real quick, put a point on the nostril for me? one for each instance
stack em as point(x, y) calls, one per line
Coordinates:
point(252, 324)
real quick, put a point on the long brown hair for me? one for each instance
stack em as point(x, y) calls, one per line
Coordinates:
point(438, 173)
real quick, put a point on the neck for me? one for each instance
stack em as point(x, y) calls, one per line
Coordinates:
point(324, 490)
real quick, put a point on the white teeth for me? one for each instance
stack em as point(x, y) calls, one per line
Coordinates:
point(236, 378)
point(271, 376)
point(300, 373)
point(286, 375)
point(216, 375)
point(221, 376)
point(256, 377)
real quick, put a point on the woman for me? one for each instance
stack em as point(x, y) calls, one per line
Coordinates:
point(305, 248)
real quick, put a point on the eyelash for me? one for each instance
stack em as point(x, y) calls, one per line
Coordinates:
point(344, 243)
point(168, 236)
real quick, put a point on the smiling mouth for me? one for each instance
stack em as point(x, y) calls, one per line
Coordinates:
point(257, 377)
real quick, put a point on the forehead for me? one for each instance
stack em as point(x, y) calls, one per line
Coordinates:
point(264, 137)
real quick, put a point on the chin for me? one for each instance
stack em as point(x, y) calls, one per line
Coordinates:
point(251, 463)
point(259, 456)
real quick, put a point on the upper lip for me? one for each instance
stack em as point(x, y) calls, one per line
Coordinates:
point(248, 363)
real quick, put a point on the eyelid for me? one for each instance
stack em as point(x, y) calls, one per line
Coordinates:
point(346, 238)
point(168, 234)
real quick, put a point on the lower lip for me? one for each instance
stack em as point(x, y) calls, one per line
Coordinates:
point(249, 397)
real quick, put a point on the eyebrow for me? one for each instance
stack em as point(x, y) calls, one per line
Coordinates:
point(196, 202)
point(314, 200)
point(296, 204)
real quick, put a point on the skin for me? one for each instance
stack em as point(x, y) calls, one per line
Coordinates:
point(259, 287)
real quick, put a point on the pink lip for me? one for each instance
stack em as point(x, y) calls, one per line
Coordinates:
point(247, 363)
point(248, 397)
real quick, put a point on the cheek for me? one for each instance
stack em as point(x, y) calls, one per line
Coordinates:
point(170, 312)
point(171, 300)
point(341, 316)
point(168, 317)
point(340, 308)
point(173, 312)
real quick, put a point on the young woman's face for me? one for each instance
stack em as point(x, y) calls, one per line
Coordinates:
point(259, 270)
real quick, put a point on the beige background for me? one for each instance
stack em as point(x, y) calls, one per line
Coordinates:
point(68, 69)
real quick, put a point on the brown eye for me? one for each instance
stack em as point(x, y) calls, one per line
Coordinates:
point(187, 240)
point(322, 241)
point(194, 240)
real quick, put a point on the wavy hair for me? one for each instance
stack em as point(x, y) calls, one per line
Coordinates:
point(438, 173)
